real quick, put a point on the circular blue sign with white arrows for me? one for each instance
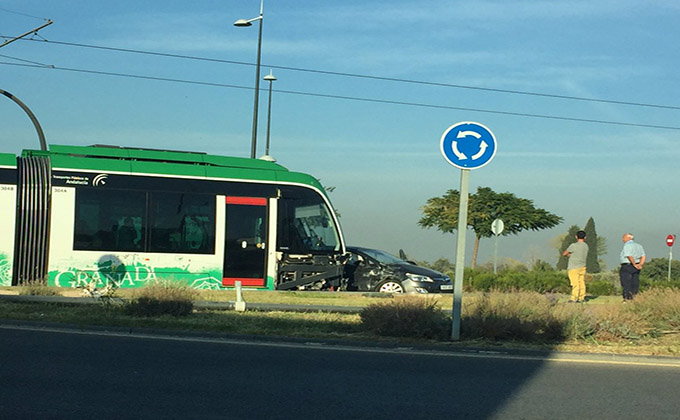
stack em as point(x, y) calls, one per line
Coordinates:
point(468, 145)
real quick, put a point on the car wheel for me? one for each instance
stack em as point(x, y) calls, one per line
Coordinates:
point(390, 286)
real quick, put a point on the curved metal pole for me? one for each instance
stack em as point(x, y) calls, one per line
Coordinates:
point(36, 124)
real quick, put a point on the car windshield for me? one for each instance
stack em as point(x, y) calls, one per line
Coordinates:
point(382, 256)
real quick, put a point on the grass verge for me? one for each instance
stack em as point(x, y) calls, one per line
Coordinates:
point(650, 325)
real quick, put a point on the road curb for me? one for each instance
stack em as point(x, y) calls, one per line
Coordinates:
point(222, 305)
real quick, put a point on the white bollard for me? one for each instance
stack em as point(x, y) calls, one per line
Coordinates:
point(240, 304)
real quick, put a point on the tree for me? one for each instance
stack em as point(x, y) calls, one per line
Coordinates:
point(601, 250)
point(569, 239)
point(592, 264)
point(541, 265)
point(597, 246)
point(442, 265)
point(484, 207)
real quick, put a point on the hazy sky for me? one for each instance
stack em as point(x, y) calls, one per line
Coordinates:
point(582, 97)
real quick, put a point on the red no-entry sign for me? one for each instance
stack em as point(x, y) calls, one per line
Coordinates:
point(670, 239)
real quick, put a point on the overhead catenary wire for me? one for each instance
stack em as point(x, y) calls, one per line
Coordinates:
point(354, 98)
point(22, 14)
point(25, 61)
point(364, 76)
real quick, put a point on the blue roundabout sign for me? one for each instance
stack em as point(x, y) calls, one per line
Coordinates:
point(468, 145)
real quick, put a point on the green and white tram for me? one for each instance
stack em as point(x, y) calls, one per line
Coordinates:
point(7, 215)
point(75, 215)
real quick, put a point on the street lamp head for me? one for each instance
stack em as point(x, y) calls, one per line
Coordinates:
point(243, 22)
point(270, 77)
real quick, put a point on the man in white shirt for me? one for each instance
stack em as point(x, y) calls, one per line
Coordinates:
point(632, 259)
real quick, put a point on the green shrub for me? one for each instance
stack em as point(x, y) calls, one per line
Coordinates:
point(605, 283)
point(577, 322)
point(408, 316)
point(656, 269)
point(648, 284)
point(482, 282)
point(601, 288)
point(541, 281)
point(163, 298)
point(540, 265)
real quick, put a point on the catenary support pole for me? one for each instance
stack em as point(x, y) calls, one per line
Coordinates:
point(34, 120)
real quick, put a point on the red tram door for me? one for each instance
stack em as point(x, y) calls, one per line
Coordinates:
point(245, 256)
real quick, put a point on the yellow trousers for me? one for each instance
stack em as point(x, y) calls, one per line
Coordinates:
point(577, 279)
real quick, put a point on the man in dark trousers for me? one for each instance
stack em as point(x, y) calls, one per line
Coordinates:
point(632, 259)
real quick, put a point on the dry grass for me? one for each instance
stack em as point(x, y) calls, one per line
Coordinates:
point(648, 325)
point(37, 288)
point(162, 298)
point(407, 316)
point(521, 316)
point(532, 317)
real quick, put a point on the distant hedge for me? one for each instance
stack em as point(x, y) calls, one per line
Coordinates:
point(510, 280)
point(556, 281)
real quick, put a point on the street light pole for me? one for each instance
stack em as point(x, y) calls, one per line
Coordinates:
point(249, 22)
point(270, 78)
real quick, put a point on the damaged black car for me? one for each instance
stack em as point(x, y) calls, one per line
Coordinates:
point(378, 271)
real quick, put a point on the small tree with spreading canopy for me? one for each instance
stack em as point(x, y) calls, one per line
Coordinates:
point(484, 207)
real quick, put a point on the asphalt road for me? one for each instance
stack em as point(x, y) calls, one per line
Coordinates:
point(70, 374)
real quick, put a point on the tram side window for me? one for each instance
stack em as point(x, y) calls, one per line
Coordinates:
point(182, 223)
point(109, 220)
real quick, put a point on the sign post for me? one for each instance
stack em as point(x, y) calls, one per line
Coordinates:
point(467, 146)
point(460, 253)
point(670, 239)
point(497, 227)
